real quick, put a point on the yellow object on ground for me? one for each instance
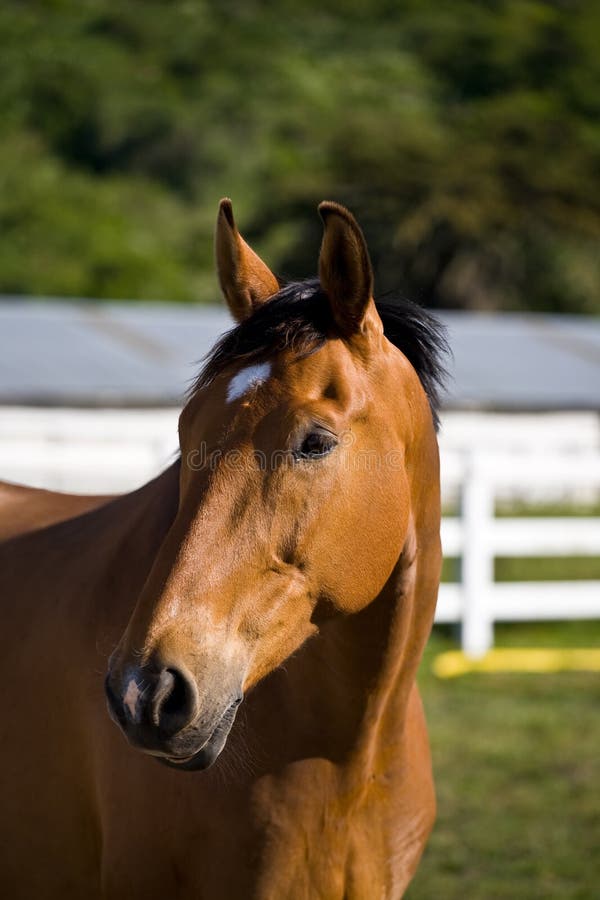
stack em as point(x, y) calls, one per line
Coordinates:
point(518, 659)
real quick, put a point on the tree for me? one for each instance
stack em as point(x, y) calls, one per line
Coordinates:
point(465, 137)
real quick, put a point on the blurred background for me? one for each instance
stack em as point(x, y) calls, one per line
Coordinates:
point(465, 137)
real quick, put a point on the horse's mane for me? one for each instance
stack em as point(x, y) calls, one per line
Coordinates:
point(298, 317)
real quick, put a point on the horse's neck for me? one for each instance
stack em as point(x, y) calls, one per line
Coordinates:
point(124, 538)
point(101, 560)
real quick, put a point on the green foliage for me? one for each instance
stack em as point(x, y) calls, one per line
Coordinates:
point(464, 135)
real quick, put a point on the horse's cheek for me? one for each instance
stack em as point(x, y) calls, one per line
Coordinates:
point(361, 551)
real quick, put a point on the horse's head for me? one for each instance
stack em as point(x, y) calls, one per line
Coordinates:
point(301, 447)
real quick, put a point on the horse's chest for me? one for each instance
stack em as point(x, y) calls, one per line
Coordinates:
point(309, 834)
point(289, 857)
point(320, 840)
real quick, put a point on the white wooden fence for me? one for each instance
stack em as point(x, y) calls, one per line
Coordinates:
point(478, 536)
point(88, 451)
point(117, 450)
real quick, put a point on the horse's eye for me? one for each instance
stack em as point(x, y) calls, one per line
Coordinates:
point(316, 444)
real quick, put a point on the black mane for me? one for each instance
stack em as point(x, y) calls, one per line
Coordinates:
point(298, 317)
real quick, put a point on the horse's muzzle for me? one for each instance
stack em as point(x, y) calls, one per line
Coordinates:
point(158, 711)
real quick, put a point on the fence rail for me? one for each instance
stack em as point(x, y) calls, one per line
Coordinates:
point(478, 537)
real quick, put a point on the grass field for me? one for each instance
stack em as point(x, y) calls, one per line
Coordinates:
point(517, 769)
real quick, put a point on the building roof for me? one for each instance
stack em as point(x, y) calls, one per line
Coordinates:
point(512, 361)
point(84, 353)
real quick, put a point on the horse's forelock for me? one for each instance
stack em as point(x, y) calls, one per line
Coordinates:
point(299, 318)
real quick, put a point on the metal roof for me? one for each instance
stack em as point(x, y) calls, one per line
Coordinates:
point(85, 353)
point(510, 361)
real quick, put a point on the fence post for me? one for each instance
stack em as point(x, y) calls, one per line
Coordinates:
point(477, 500)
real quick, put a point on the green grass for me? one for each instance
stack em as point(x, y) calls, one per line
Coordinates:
point(526, 509)
point(547, 568)
point(533, 568)
point(517, 770)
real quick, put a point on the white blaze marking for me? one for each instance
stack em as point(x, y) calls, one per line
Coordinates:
point(131, 697)
point(247, 378)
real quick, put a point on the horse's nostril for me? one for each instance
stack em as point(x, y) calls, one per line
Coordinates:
point(173, 702)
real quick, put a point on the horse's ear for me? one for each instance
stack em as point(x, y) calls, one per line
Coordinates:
point(245, 280)
point(345, 269)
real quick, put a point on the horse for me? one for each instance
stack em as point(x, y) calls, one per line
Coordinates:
point(208, 684)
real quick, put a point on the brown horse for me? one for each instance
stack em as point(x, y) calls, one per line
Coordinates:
point(291, 557)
